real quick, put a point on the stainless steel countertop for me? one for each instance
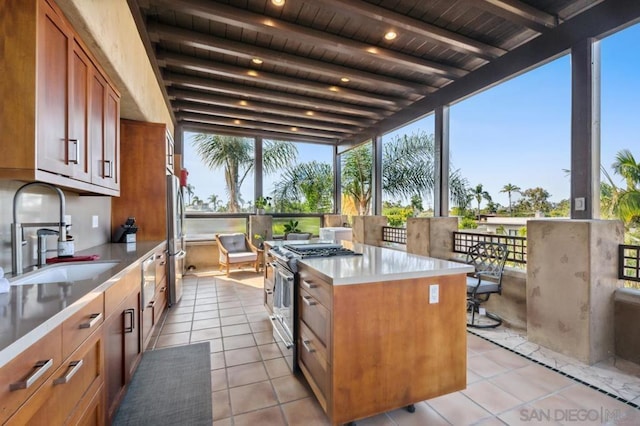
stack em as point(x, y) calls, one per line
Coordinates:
point(45, 306)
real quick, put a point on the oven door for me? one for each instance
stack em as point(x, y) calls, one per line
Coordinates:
point(283, 301)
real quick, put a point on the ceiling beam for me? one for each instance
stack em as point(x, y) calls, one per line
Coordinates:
point(259, 94)
point(520, 13)
point(266, 118)
point(240, 18)
point(402, 23)
point(601, 19)
point(275, 80)
point(264, 107)
point(257, 125)
point(232, 131)
point(247, 51)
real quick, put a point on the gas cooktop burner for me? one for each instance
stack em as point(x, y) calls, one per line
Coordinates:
point(318, 250)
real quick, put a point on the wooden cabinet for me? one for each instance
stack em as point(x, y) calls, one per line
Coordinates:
point(122, 334)
point(374, 347)
point(67, 390)
point(21, 377)
point(268, 279)
point(58, 117)
point(153, 309)
point(60, 376)
point(143, 192)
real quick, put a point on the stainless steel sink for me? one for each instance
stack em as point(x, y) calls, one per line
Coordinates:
point(65, 272)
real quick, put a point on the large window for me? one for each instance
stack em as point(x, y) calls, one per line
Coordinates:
point(512, 145)
point(357, 169)
point(302, 184)
point(220, 173)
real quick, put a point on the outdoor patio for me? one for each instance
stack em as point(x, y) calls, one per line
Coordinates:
point(510, 381)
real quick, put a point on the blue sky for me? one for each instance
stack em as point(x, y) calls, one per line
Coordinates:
point(517, 132)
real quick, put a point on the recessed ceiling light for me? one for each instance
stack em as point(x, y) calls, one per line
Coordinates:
point(237, 122)
point(252, 73)
point(309, 113)
point(243, 103)
point(294, 129)
point(372, 50)
point(278, 3)
point(257, 61)
point(345, 79)
point(333, 89)
point(390, 35)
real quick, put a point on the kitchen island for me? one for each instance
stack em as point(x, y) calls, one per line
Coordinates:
point(381, 330)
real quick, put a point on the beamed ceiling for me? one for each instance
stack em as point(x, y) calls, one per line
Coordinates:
point(327, 73)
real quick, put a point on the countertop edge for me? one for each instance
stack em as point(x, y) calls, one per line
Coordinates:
point(463, 270)
point(23, 343)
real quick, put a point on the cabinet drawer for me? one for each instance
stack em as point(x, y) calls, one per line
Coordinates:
point(312, 355)
point(160, 301)
point(79, 375)
point(115, 294)
point(316, 287)
point(76, 329)
point(315, 316)
point(49, 348)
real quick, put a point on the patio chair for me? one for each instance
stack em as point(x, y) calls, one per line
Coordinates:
point(488, 259)
point(237, 250)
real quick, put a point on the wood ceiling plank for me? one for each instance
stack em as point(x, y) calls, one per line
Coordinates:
point(248, 51)
point(221, 130)
point(519, 12)
point(274, 80)
point(419, 28)
point(266, 118)
point(248, 20)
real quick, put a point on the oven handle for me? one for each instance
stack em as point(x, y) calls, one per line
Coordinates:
point(274, 321)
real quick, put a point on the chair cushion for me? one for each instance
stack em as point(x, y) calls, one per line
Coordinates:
point(485, 286)
point(243, 256)
point(233, 243)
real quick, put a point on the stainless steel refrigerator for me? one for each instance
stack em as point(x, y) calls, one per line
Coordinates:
point(175, 239)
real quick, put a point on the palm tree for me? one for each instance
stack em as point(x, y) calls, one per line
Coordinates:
point(480, 194)
point(510, 188)
point(625, 203)
point(408, 170)
point(214, 201)
point(190, 191)
point(235, 155)
point(310, 183)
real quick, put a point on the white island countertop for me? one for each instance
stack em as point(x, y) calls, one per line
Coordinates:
point(377, 264)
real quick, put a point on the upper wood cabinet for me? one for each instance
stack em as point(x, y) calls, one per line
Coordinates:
point(62, 121)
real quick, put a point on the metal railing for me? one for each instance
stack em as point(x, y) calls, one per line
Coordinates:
point(629, 262)
point(517, 246)
point(394, 235)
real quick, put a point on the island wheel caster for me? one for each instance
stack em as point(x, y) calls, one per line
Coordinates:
point(411, 408)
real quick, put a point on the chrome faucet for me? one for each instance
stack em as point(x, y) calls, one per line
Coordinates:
point(17, 233)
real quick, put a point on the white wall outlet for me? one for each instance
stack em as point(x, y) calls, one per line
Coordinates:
point(579, 204)
point(434, 293)
point(94, 221)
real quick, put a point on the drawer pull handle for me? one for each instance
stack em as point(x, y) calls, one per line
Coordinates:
point(308, 300)
point(39, 369)
point(74, 366)
point(107, 170)
point(162, 289)
point(131, 314)
point(308, 284)
point(76, 151)
point(151, 304)
point(307, 346)
point(93, 320)
point(269, 291)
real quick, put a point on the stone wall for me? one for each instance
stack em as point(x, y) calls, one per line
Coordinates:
point(627, 324)
point(368, 229)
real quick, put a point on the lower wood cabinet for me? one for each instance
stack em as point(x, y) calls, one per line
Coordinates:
point(123, 350)
point(374, 347)
point(67, 391)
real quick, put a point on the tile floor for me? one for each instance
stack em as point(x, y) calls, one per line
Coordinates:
point(251, 384)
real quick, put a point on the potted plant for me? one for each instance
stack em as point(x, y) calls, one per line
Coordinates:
point(262, 203)
point(259, 239)
point(291, 227)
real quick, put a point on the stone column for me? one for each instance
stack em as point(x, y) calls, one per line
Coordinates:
point(334, 220)
point(260, 224)
point(431, 236)
point(571, 279)
point(368, 229)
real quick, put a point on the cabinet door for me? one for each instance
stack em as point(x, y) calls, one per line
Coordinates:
point(97, 103)
point(54, 43)
point(132, 335)
point(78, 135)
point(112, 140)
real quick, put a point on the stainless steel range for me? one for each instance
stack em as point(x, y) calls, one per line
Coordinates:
point(284, 290)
